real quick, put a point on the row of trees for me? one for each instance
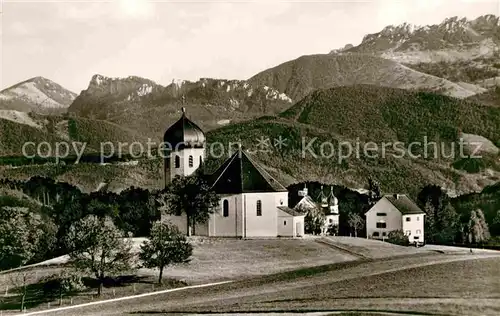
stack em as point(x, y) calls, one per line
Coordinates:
point(98, 248)
point(59, 205)
point(456, 220)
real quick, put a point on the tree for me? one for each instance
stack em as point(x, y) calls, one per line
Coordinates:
point(98, 248)
point(375, 192)
point(20, 234)
point(192, 196)
point(20, 279)
point(137, 211)
point(356, 222)
point(333, 230)
point(166, 246)
point(446, 226)
point(441, 220)
point(477, 228)
point(495, 227)
point(313, 221)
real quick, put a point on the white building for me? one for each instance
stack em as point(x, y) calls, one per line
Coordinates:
point(327, 204)
point(253, 203)
point(395, 212)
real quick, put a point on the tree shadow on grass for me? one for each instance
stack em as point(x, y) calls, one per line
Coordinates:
point(50, 290)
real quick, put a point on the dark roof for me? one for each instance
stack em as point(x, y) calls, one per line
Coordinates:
point(240, 174)
point(404, 204)
point(290, 211)
point(184, 134)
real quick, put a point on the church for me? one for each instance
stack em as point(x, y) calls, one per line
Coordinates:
point(252, 203)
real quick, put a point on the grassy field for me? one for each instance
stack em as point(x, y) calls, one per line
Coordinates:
point(370, 248)
point(213, 260)
point(465, 284)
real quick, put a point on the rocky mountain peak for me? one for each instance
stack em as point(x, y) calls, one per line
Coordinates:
point(37, 94)
point(455, 38)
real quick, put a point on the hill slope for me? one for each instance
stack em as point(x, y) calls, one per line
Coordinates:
point(37, 129)
point(356, 114)
point(301, 76)
point(384, 114)
point(37, 94)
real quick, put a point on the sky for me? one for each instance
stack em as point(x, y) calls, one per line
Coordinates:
point(68, 41)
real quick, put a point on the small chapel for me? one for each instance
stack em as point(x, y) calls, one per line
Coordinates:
point(252, 203)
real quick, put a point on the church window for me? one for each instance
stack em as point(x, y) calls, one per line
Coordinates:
point(259, 208)
point(201, 160)
point(190, 161)
point(225, 208)
point(177, 162)
point(284, 223)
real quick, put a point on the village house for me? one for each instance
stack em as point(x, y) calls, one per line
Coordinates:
point(252, 204)
point(395, 212)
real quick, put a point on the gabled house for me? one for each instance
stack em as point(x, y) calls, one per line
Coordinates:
point(252, 202)
point(395, 212)
point(306, 202)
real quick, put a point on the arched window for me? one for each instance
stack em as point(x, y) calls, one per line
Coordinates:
point(190, 161)
point(177, 161)
point(225, 208)
point(259, 208)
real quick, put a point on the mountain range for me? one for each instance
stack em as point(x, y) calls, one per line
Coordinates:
point(399, 84)
point(145, 106)
point(453, 39)
point(457, 49)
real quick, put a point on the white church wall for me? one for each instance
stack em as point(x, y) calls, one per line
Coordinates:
point(265, 225)
point(179, 221)
point(231, 225)
point(201, 229)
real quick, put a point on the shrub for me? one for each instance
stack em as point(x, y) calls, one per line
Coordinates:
point(398, 237)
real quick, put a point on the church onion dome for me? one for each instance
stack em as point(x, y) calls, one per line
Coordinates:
point(322, 198)
point(184, 134)
point(332, 199)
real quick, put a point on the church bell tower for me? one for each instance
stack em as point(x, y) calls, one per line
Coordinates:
point(184, 148)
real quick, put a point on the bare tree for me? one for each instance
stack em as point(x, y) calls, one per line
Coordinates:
point(355, 222)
